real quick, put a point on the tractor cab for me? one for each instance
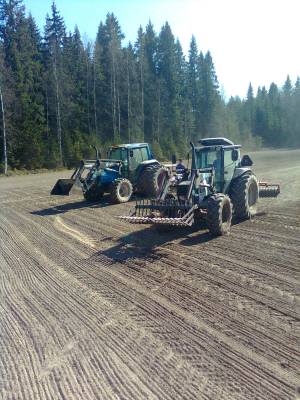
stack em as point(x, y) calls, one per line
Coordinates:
point(223, 156)
point(133, 156)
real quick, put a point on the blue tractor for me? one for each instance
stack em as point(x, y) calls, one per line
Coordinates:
point(128, 168)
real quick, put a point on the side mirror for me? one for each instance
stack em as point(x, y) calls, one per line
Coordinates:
point(173, 159)
point(246, 161)
point(131, 153)
point(234, 155)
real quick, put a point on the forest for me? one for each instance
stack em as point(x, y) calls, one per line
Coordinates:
point(60, 94)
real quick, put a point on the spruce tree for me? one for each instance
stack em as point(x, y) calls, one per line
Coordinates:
point(170, 113)
point(272, 135)
point(150, 84)
point(192, 102)
point(109, 55)
point(21, 44)
point(53, 43)
point(287, 87)
point(250, 108)
point(209, 97)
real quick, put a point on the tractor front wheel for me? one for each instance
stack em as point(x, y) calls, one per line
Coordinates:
point(121, 190)
point(93, 194)
point(219, 214)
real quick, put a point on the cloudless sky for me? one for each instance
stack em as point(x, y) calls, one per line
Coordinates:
point(250, 40)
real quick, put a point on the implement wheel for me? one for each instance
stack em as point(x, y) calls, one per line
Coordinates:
point(219, 214)
point(120, 191)
point(244, 195)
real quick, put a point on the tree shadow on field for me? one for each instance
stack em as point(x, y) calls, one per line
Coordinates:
point(146, 244)
point(63, 208)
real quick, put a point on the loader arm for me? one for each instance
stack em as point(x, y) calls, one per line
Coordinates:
point(63, 187)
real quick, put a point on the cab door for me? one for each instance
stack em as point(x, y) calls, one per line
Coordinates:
point(229, 167)
point(135, 158)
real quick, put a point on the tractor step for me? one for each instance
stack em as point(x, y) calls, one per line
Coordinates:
point(268, 189)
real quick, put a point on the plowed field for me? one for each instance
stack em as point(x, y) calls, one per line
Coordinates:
point(93, 308)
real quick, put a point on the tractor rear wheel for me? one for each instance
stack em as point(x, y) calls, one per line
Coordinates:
point(244, 195)
point(120, 191)
point(219, 214)
point(152, 180)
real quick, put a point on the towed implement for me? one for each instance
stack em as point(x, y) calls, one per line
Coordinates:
point(129, 168)
point(219, 185)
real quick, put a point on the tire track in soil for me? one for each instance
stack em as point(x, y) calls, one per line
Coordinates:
point(90, 298)
point(123, 339)
point(70, 310)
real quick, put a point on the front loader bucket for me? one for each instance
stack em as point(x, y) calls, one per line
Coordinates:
point(63, 187)
point(157, 212)
point(268, 189)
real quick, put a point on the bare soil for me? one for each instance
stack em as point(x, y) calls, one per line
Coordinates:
point(93, 308)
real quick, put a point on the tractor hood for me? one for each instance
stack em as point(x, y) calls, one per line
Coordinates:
point(108, 175)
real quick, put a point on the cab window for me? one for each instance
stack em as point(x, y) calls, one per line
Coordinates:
point(144, 153)
point(136, 158)
point(206, 159)
point(228, 163)
point(118, 154)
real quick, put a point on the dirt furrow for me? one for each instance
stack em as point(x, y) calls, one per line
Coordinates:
point(93, 308)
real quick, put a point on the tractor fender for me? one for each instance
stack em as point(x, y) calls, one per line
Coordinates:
point(145, 164)
point(239, 171)
point(148, 162)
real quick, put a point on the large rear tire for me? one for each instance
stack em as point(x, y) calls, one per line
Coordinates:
point(120, 191)
point(152, 180)
point(219, 214)
point(244, 195)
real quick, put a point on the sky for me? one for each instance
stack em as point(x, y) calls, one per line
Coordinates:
point(253, 41)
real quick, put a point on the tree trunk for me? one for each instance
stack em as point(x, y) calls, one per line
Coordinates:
point(142, 95)
point(4, 133)
point(158, 113)
point(114, 97)
point(119, 112)
point(112, 106)
point(128, 100)
point(88, 94)
point(95, 104)
point(47, 122)
point(58, 118)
